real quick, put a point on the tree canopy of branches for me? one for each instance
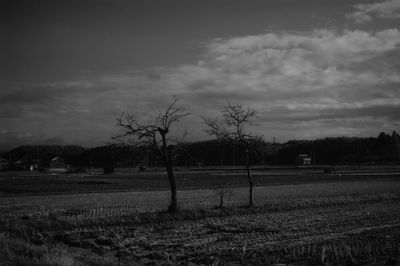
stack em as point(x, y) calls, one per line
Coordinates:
point(232, 128)
point(155, 134)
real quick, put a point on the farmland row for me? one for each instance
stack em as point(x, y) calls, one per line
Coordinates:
point(236, 234)
point(78, 207)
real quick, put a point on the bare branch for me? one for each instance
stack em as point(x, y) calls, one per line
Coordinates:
point(232, 128)
point(149, 133)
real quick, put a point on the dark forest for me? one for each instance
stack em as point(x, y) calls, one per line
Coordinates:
point(383, 149)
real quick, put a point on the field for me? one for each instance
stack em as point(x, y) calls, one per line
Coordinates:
point(301, 217)
point(12, 183)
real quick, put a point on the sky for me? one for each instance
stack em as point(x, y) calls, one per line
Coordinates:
point(311, 69)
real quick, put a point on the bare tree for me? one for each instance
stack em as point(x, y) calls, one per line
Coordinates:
point(155, 134)
point(223, 191)
point(232, 128)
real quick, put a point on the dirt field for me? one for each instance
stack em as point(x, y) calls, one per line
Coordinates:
point(350, 220)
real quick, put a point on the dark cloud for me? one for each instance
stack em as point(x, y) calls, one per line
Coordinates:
point(387, 113)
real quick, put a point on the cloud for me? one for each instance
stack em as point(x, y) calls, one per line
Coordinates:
point(304, 84)
point(319, 76)
point(366, 12)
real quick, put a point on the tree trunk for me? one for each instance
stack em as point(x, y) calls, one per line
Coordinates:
point(173, 207)
point(249, 178)
point(250, 185)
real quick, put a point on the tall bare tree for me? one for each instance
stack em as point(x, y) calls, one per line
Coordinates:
point(232, 128)
point(155, 134)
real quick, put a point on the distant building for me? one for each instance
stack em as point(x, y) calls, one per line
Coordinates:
point(34, 165)
point(3, 164)
point(303, 159)
point(58, 165)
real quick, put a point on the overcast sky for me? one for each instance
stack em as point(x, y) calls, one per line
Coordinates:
point(311, 69)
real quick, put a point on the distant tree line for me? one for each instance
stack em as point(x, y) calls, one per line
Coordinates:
point(339, 150)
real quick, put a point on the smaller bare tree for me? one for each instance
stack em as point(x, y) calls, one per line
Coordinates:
point(224, 192)
point(232, 128)
point(155, 134)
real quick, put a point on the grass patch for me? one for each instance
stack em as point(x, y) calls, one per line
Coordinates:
point(19, 252)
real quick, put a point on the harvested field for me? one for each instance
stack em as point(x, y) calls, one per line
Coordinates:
point(344, 222)
point(123, 203)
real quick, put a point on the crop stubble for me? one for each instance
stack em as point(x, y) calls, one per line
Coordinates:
point(307, 222)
